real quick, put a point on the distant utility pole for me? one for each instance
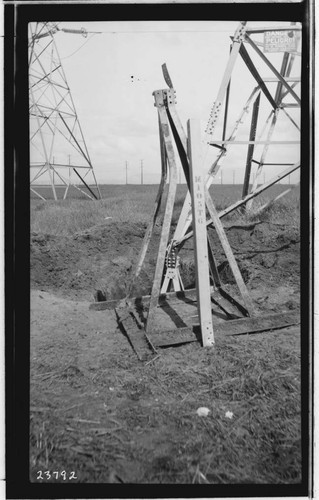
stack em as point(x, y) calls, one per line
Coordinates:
point(69, 169)
point(53, 169)
point(126, 172)
point(141, 172)
point(221, 177)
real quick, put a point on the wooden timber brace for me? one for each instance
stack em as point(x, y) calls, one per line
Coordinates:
point(146, 335)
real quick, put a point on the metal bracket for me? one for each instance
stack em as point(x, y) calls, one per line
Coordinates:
point(240, 32)
point(172, 274)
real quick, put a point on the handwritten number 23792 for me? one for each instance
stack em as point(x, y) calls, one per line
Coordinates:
point(46, 475)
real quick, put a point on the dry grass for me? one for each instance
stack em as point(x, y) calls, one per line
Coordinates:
point(149, 431)
point(154, 422)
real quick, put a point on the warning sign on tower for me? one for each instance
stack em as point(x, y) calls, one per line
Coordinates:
point(280, 41)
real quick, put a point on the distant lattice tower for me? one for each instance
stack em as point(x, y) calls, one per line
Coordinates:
point(59, 158)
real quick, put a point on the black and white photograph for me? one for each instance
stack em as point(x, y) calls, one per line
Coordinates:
point(163, 250)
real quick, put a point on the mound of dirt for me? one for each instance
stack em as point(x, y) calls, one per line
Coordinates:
point(265, 253)
point(97, 264)
point(100, 258)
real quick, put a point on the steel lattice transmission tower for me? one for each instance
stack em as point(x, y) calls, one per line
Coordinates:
point(59, 158)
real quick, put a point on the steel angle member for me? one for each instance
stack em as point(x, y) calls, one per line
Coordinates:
point(155, 214)
point(168, 212)
point(160, 197)
point(167, 77)
point(251, 147)
point(273, 69)
point(263, 156)
point(239, 37)
point(220, 158)
point(254, 72)
point(185, 218)
point(251, 195)
point(229, 253)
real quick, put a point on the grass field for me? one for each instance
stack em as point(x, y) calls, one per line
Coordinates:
point(98, 411)
point(133, 203)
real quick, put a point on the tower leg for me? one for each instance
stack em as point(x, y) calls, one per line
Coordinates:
point(252, 136)
point(167, 218)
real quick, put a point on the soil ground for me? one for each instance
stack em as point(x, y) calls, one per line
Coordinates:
point(98, 411)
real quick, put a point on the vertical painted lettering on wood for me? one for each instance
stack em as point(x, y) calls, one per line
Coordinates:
point(197, 180)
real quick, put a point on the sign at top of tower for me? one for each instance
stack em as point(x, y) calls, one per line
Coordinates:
point(280, 41)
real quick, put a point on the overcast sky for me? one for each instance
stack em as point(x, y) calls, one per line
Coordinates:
point(113, 74)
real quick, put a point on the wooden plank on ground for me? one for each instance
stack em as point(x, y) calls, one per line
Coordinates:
point(104, 305)
point(172, 297)
point(256, 325)
point(145, 299)
point(138, 338)
point(232, 327)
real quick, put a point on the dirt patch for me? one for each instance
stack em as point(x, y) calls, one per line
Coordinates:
point(109, 418)
point(77, 265)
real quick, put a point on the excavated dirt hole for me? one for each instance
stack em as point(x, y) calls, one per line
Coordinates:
point(96, 264)
point(226, 274)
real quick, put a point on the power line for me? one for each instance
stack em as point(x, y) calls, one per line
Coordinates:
point(212, 31)
point(77, 50)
